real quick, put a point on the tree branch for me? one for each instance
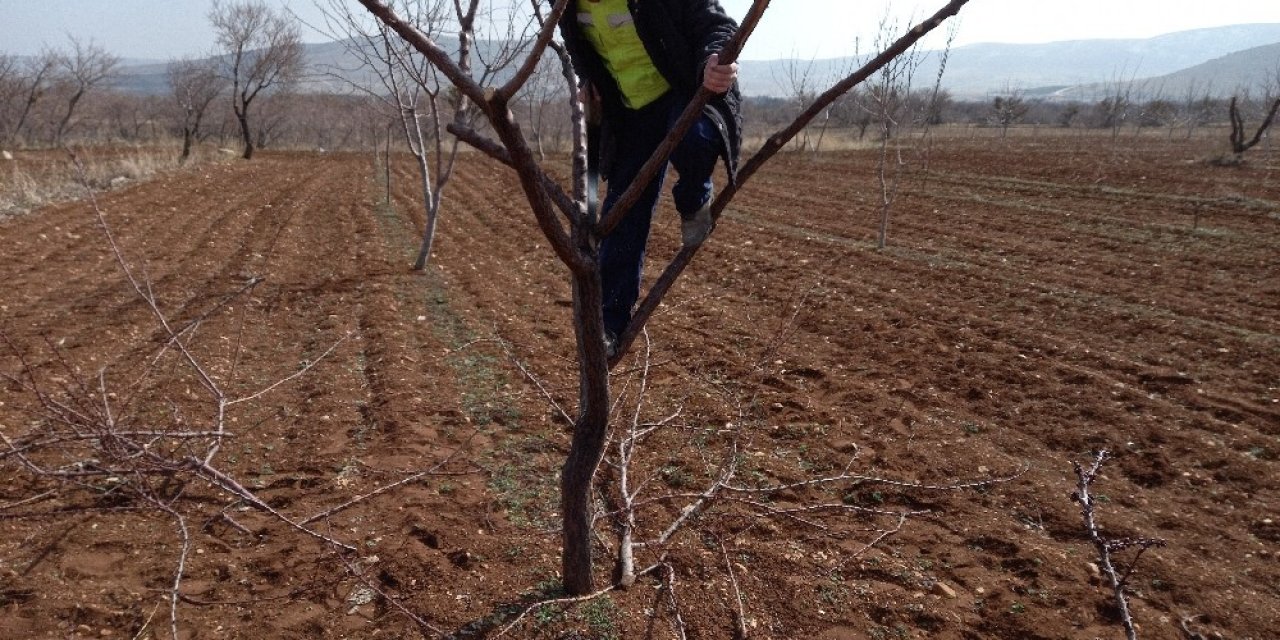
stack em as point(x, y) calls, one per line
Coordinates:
point(775, 143)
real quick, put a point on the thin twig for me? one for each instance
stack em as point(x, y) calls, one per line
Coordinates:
point(740, 620)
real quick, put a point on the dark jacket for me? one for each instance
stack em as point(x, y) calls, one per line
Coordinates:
point(679, 35)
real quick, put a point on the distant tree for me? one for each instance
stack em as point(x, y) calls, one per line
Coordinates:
point(263, 54)
point(1007, 110)
point(1239, 142)
point(800, 83)
point(1068, 115)
point(79, 71)
point(11, 82)
point(935, 108)
point(1158, 112)
point(410, 88)
point(1112, 111)
point(545, 98)
point(194, 85)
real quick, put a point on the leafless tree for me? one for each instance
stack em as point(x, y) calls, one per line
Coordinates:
point(1240, 140)
point(887, 100)
point(79, 71)
point(263, 54)
point(194, 84)
point(545, 98)
point(801, 83)
point(1112, 111)
point(573, 233)
point(1008, 109)
point(410, 86)
point(1196, 108)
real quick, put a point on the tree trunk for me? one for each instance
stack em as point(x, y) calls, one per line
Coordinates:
point(432, 201)
point(186, 145)
point(589, 434)
point(245, 135)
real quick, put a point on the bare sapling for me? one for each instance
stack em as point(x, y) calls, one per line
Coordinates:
point(1113, 570)
point(887, 100)
point(410, 88)
point(574, 232)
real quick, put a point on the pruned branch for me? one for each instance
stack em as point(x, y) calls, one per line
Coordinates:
point(1107, 547)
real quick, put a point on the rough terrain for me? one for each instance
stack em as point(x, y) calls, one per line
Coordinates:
point(1040, 298)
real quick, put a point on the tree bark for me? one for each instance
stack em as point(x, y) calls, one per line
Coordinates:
point(246, 137)
point(591, 430)
point(186, 145)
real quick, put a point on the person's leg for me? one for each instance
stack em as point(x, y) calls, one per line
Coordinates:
point(695, 160)
point(622, 251)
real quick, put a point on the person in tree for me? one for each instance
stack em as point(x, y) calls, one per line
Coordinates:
point(641, 62)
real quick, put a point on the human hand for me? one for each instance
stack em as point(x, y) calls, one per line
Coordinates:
point(718, 77)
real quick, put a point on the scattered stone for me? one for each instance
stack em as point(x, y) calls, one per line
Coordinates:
point(361, 596)
point(943, 589)
point(1094, 571)
point(462, 559)
point(6, 155)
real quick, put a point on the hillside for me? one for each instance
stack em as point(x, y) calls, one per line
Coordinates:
point(973, 71)
point(977, 70)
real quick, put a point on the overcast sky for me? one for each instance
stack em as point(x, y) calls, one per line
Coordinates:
point(801, 28)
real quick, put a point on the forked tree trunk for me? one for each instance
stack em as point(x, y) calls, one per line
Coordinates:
point(579, 250)
point(432, 200)
point(591, 429)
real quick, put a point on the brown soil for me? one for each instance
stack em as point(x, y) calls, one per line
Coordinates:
point(1040, 298)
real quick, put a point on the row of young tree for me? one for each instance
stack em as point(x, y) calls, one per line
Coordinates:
point(860, 112)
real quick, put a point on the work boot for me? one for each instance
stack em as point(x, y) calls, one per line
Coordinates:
point(695, 228)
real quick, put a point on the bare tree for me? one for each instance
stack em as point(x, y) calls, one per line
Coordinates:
point(1240, 142)
point(577, 243)
point(83, 68)
point(194, 84)
point(887, 100)
point(801, 83)
point(545, 97)
point(1197, 107)
point(1008, 109)
point(410, 87)
point(11, 94)
point(1112, 110)
point(263, 53)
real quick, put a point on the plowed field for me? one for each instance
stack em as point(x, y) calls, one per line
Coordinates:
point(1039, 299)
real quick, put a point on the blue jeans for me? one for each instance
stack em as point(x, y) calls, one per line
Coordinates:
point(637, 134)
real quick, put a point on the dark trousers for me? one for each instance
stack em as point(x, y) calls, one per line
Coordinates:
point(638, 133)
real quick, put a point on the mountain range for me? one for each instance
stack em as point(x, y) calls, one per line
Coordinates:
point(1217, 60)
